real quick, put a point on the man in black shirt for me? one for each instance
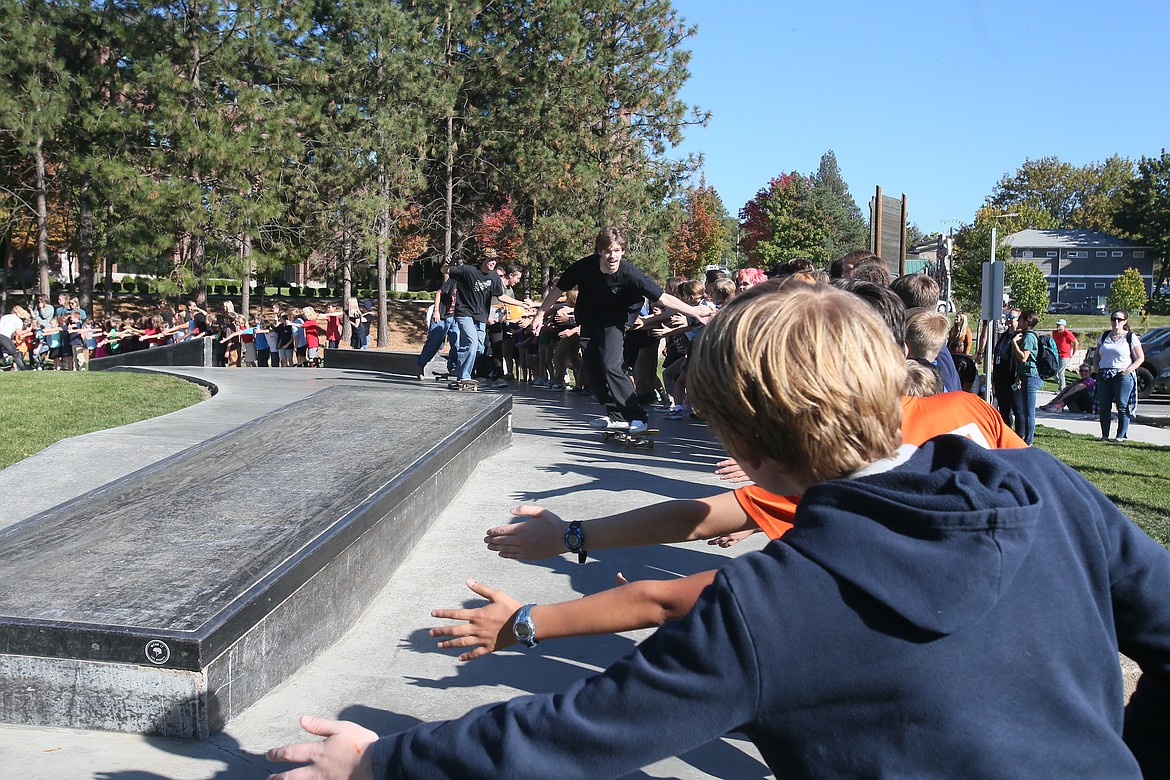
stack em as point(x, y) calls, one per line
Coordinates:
point(474, 288)
point(610, 295)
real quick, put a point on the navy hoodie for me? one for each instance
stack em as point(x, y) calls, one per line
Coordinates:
point(959, 615)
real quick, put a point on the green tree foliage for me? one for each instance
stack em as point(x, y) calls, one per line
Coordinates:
point(973, 248)
point(1074, 197)
point(783, 221)
point(1144, 211)
point(1029, 287)
point(194, 137)
point(847, 229)
point(802, 216)
point(1128, 292)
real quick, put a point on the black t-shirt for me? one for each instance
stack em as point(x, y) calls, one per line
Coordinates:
point(604, 300)
point(284, 335)
point(447, 299)
point(474, 290)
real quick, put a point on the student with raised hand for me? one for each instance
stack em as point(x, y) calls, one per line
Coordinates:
point(936, 565)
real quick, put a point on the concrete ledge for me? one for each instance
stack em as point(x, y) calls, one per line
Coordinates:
point(171, 600)
point(386, 361)
point(196, 352)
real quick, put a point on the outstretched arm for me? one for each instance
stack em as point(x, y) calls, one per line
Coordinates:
point(542, 535)
point(644, 604)
point(550, 299)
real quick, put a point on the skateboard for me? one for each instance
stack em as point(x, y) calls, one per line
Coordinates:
point(643, 439)
point(441, 376)
point(465, 386)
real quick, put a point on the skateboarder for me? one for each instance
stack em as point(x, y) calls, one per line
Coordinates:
point(474, 287)
point(611, 291)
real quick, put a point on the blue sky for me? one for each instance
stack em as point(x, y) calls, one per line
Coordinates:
point(937, 100)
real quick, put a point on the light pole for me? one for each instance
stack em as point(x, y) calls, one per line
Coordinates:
point(991, 327)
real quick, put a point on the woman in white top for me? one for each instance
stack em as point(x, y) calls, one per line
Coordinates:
point(1119, 354)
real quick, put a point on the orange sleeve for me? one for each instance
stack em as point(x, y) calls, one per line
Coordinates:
point(772, 513)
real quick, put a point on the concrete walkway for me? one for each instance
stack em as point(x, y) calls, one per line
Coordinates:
point(386, 672)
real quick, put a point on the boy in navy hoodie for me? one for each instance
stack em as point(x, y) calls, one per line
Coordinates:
point(940, 611)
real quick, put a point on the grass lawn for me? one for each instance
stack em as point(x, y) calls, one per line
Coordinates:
point(42, 407)
point(1132, 475)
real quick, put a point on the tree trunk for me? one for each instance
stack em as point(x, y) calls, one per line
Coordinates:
point(246, 281)
point(109, 263)
point(346, 285)
point(85, 245)
point(199, 268)
point(383, 246)
point(449, 163)
point(42, 219)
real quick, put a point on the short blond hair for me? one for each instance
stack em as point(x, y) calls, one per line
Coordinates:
point(922, 381)
point(926, 333)
point(806, 375)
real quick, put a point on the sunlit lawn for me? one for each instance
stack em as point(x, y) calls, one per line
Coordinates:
point(1134, 476)
point(39, 408)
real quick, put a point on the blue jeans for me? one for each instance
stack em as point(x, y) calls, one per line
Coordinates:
point(469, 344)
point(1024, 407)
point(437, 333)
point(1114, 391)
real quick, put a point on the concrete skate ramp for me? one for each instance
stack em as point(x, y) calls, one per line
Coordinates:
point(170, 600)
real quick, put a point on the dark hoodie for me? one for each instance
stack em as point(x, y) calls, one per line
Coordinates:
point(958, 615)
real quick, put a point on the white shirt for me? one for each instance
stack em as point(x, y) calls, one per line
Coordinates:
point(1115, 354)
point(9, 324)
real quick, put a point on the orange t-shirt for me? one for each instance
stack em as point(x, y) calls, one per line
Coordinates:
point(958, 413)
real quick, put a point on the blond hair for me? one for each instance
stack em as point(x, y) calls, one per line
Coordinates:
point(926, 333)
point(803, 374)
point(308, 313)
point(922, 381)
point(723, 290)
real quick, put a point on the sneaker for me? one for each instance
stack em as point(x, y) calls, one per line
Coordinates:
point(599, 423)
point(1119, 440)
point(578, 389)
point(421, 376)
point(638, 426)
point(674, 414)
point(453, 385)
point(499, 383)
point(555, 386)
point(540, 383)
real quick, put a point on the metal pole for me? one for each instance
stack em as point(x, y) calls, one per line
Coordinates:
point(992, 335)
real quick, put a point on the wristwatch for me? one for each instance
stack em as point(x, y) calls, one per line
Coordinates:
point(575, 541)
point(523, 628)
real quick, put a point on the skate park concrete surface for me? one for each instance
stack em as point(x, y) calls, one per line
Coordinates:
point(385, 672)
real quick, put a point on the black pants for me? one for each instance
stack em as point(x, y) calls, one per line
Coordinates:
point(6, 345)
point(602, 349)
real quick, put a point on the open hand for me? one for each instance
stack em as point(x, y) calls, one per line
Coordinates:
point(730, 471)
point(342, 756)
point(487, 628)
point(541, 536)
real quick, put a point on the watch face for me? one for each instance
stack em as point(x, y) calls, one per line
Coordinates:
point(523, 631)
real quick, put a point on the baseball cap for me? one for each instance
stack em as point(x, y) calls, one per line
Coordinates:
point(1061, 322)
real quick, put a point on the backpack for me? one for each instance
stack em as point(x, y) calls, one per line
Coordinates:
point(1047, 361)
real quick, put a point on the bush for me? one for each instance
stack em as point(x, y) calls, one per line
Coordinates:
point(1159, 304)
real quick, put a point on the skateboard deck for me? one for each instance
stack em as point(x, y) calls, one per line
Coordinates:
point(643, 439)
point(441, 376)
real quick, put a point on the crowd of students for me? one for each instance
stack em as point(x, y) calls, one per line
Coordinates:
point(66, 337)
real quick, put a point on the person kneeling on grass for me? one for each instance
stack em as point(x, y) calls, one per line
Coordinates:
point(941, 566)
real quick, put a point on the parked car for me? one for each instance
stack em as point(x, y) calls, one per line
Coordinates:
point(1162, 383)
point(1060, 307)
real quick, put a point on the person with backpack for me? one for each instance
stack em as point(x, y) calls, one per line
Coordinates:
point(1119, 354)
point(1025, 348)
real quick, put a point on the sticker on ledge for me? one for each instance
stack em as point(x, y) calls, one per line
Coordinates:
point(157, 652)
